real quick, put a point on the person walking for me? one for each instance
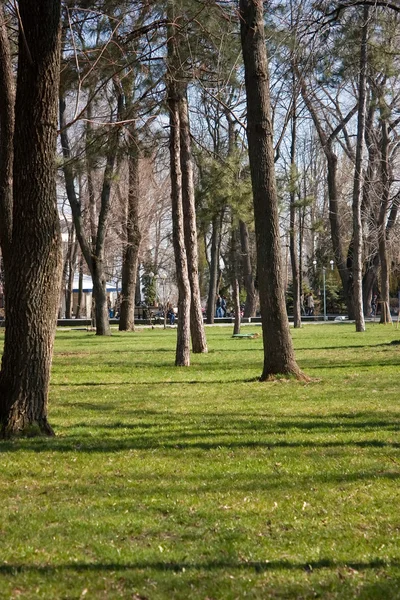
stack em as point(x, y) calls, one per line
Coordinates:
point(310, 305)
point(219, 312)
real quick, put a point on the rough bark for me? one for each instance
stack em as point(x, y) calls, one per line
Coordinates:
point(6, 141)
point(278, 348)
point(357, 187)
point(199, 342)
point(182, 357)
point(130, 257)
point(33, 282)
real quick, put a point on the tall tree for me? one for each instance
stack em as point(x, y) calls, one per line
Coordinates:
point(182, 356)
point(31, 240)
point(130, 256)
point(357, 186)
point(199, 343)
point(278, 348)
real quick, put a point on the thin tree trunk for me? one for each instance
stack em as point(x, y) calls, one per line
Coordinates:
point(80, 290)
point(369, 282)
point(182, 356)
point(93, 252)
point(214, 258)
point(69, 289)
point(357, 188)
point(234, 279)
point(199, 342)
point(342, 263)
point(382, 234)
point(250, 305)
point(292, 226)
point(33, 282)
point(278, 349)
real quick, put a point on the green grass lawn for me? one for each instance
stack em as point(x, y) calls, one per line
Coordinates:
point(203, 483)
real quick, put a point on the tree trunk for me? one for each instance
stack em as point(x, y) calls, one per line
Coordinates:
point(182, 356)
point(342, 264)
point(69, 282)
point(93, 252)
point(250, 305)
point(382, 234)
point(80, 290)
point(6, 143)
point(234, 278)
point(131, 251)
point(278, 349)
point(100, 298)
point(292, 226)
point(214, 259)
point(357, 187)
point(199, 342)
point(369, 282)
point(33, 281)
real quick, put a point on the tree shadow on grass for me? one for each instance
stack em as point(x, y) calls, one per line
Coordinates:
point(215, 565)
point(149, 429)
point(160, 442)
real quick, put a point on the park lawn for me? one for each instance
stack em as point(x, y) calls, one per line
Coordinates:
point(203, 483)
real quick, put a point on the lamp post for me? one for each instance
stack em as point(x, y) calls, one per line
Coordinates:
point(163, 279)
point(331, 262)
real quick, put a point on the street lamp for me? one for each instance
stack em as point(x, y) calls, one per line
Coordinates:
point(331, 262)
point(163, 279)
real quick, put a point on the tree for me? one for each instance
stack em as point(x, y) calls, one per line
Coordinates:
point(278, 348)
point(357, 187)
point(30, 233)
point(199, 343)
point(130, 257)
point(182, 356)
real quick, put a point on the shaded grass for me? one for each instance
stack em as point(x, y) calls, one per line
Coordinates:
point(204, 483)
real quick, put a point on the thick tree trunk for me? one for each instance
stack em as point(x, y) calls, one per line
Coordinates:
point(250, 305)
point(100, 298)
point(357, 187)
point(6, 142)
point(33, 282)
point(278, 349)
point(131, 251)
point(199, 342)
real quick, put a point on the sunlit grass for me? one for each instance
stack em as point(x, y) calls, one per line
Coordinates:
point(204, 483)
